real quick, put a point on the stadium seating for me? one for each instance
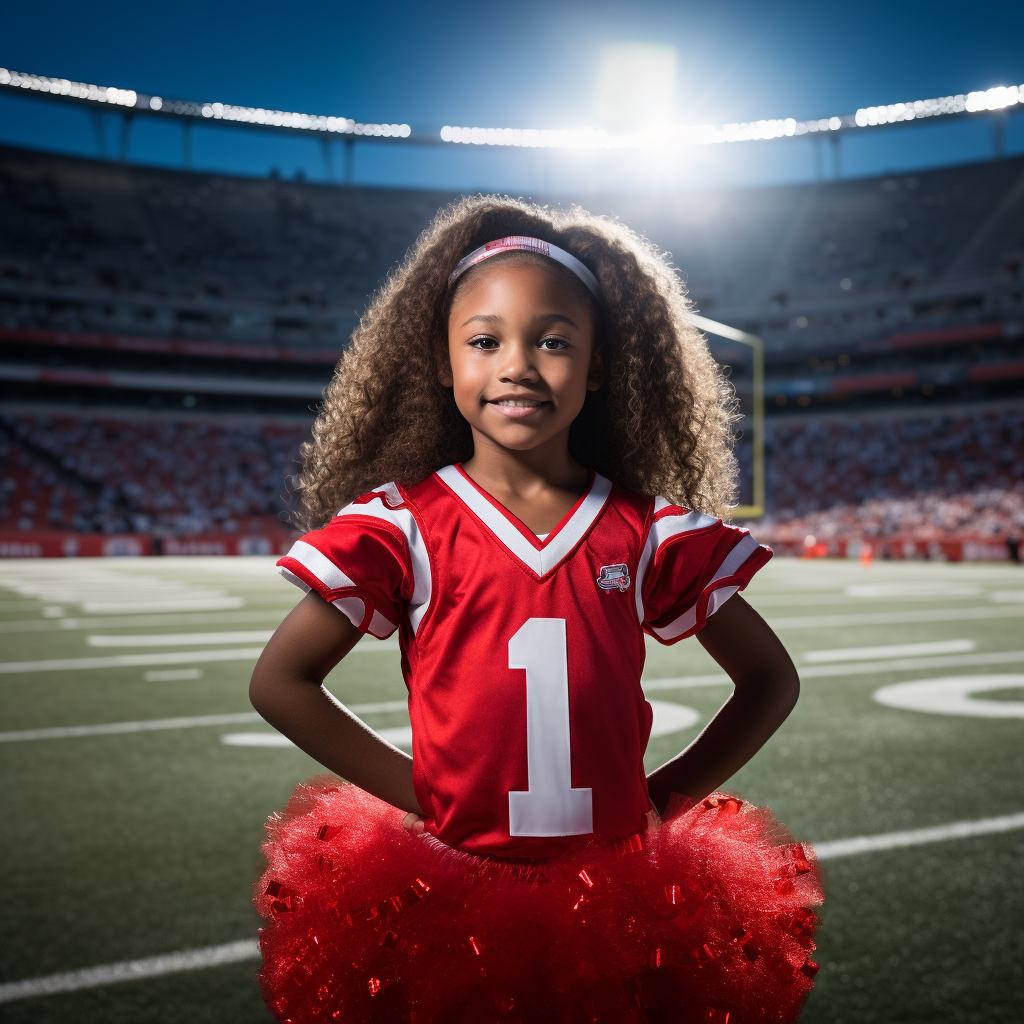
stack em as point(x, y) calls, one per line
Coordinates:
point(162, 476)
point(166, 334)
point(923, 477)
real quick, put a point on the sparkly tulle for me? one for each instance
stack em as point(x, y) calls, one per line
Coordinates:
point(706, 916)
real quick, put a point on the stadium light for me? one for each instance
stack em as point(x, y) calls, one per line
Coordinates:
point(998, 98)
point(62, 88)
point(653, 137)
point(72, 90)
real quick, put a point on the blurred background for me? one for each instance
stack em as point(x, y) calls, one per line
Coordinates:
point(197, 202)
point(185, 250)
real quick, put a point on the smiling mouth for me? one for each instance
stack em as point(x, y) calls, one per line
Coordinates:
point(518, 407)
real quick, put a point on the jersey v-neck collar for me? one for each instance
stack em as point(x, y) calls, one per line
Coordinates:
point(540, 556)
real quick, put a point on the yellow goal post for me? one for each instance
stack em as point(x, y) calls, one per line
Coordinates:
point(755, 507)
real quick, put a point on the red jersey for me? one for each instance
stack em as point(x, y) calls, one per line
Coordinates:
point(523, 656)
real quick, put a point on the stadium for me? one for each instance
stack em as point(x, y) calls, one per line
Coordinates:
point(167, 334)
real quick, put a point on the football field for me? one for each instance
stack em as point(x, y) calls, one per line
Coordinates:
point(136, 779)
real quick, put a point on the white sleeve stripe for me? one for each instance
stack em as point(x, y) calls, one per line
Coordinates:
point(380, 626)
point(353, 608)
point(404, 521)
point(292, 578)
point(734, 561)
point(662, 530)
point(319, 565)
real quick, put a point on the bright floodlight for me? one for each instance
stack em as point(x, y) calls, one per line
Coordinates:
point(635, 83)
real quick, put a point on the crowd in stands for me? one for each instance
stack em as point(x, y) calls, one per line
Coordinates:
point(168, 477)
point(923, 478)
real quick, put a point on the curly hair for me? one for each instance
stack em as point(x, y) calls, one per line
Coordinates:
point(661, 423)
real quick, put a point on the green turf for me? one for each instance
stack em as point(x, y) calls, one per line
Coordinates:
point(118, 847)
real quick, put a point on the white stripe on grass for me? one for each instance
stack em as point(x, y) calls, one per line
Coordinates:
point(168, 658)
point(399, 736)
point(912, 664)
point(172, 675)
point(259, 636)
point(130, 660)
point(52, 625)
point(917, 836)
point(131, 970)
point(159, 724)
point(984, 612)
point(890, 651)
point(248, 949)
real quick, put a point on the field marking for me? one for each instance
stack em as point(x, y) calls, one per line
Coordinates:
point(54, 625)
point(130, 660)
point(398, 736)
point(248, 949)
point(669, 717)
point(912, 664)
point(117, 728)
point(917, 836)
point(159, 724)
point(910, 590)
point(172, 675)
point(210, 604)
point(167, 658)
point(898, 618)
point(131, 970)
point(890, 651)
point(259, 636)
point(685, 682)
point(952, 696)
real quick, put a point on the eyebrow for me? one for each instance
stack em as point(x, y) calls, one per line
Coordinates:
point(547, 318)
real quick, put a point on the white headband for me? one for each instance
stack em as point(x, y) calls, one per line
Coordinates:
point(501, 245)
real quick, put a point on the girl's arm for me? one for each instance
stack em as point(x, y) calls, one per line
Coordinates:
point(287, 690)
point(767, 687)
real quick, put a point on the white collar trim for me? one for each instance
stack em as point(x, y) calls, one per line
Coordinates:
point(553, 552)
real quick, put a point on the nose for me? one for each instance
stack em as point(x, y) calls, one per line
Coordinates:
point(518, 365)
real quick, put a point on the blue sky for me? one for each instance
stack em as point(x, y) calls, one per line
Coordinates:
point(518, 64)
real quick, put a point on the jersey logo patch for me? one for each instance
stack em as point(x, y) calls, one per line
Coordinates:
point(614, 577)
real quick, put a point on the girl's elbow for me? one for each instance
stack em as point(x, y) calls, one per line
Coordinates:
point(259, 692)
point(791, 687)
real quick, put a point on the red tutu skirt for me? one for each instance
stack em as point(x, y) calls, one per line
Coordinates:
point(706, 916)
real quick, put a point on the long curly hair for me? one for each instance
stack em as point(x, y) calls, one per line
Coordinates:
point(661, 423)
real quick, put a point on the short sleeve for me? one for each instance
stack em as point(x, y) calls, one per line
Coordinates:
point(362, 562)
point(691, 565)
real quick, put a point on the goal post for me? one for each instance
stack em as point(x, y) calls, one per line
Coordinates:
point(743, 355)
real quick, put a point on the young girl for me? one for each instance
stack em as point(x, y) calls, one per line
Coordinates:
point(557, 441)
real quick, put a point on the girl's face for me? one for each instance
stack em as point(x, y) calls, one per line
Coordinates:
point(521, 349)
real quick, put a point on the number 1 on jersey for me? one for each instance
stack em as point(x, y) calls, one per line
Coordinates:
point(550, 807)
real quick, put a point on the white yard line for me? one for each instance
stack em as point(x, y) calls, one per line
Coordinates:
point(258, 636)
point(685, 682)
point(912, 664)
point(889, 651)
point(130, 660)
point(898, 618)
point(54, 625)
point(131, 970)
point(159, 724)
point(918, 836)
point(248, 949)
